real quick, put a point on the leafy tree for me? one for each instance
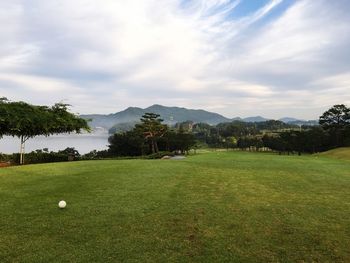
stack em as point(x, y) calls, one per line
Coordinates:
point(70, 151)
point(152, 129)
point(274, 142)
point(201, 132)
point(126, 144)
point(336, 121)
point(4, 119)
point(230, 142)
point(316, 139)
point(336, 117)
point(150, 136)
point(176, 140)
point(250, 141)
point(184, 126)
point(26, 121)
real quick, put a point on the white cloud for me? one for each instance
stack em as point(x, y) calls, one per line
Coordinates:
point(107, 55)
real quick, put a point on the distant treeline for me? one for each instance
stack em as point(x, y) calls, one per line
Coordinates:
point(333, 131)
point(151, 138)
point(43, 156)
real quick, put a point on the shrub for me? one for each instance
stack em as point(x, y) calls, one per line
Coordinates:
point(42, 156)
point(159, 155)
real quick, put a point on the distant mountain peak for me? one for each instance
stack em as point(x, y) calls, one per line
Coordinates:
point(172, 115)
point(157, 106)
point(255, 119)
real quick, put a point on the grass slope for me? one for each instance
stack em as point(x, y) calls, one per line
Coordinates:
point(213, 207)
point(338, 153)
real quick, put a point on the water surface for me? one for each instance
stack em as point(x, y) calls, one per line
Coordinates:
point(84, 143)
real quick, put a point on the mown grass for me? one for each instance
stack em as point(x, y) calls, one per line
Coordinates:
point(213, 207)
point(338, 153)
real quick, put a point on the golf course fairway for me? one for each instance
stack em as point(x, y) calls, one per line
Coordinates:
point(209, 207)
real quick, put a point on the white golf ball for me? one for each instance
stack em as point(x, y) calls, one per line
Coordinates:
point(62, 204)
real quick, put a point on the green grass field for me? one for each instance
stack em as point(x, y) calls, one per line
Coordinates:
point(212, 207)
point(339, 153)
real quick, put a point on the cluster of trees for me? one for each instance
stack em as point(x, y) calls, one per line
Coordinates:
point(151, 136)
point(26, 121)
point(237, 133)
point(315, 139)
point(333, 131)
point(44, 156)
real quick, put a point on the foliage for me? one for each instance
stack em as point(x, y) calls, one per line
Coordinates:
point(96, 155)
point(152, 129)
point(159, 155)
point(122, 127)
point(42, 156)
point(309, 141)
point(336, 117)
point(278, 136)
point(150, 137)
point(23, 119)
point(250, 141)
point(336, 121)
point(275, 135)
point(177, 140)
point(70, 151)
point(130, 143)
point(230, 134)
point(27, 121)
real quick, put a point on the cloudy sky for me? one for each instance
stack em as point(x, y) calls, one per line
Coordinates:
point(239, 58)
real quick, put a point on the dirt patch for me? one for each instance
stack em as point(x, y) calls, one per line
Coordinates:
point(5, 164)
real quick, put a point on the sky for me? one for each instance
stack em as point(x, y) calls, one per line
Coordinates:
point(274, 58)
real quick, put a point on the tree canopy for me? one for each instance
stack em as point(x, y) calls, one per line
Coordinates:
point(23, 119)
point(336, 121)
point(336, 117)
point(152, 128)
point(26, 121)
point(150, 137)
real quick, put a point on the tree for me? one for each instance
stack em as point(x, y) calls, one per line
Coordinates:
point(152, 129)
point(4, 120)
point(314, 140)
point(27, 121)
point(336, 117)
point(128, 143)
point(274, 142)
point(336, 121)
point(178, 140)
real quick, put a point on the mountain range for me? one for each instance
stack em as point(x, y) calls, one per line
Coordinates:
point(171, 116)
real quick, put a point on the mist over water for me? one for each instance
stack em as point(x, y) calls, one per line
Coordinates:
point(84, 143)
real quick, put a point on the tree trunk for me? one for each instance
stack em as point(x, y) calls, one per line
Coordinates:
point(152, 146)
point(156, 146)
point(21, 150)
point(167, 146)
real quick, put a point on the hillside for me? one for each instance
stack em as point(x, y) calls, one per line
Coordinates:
point(255, 119)
point(170, 115)
point(339, 153)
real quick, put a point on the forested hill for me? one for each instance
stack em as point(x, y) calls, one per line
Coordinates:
point(170, 115)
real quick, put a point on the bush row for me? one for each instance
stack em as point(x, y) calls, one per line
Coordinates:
point(69, 154)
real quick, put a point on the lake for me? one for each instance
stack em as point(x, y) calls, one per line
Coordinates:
point(84, 143)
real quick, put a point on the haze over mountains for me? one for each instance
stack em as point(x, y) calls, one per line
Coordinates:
point(172, 115)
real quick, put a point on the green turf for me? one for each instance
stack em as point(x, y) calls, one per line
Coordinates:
point(338, 153)
point(212, 207)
